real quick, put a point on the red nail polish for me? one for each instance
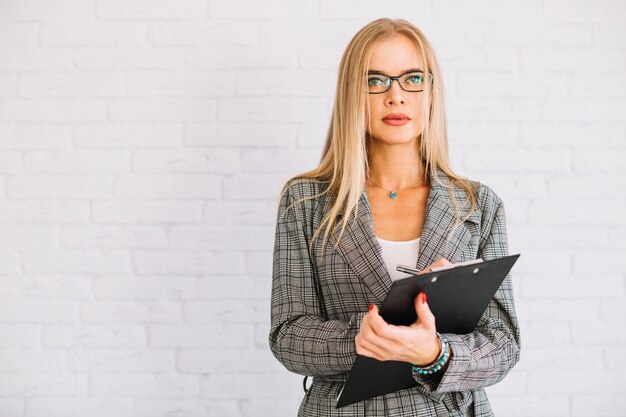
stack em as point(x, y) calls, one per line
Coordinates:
point(423, 297)
point(371, 307)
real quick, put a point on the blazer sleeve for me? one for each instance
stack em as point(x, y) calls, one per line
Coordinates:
point(484, 357)
point(300, 337)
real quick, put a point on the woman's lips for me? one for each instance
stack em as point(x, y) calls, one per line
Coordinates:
point(396, 119)
point(396, 122)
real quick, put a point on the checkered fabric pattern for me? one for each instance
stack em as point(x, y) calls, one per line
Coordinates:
point(317, 304)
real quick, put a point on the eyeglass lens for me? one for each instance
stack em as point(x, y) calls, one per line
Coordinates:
point(379, 83)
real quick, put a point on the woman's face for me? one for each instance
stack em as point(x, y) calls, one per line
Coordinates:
point(395, 56)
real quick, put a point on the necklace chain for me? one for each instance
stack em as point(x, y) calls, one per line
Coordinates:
point(394, 194)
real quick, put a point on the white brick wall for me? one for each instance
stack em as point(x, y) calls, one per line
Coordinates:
point(143, 145)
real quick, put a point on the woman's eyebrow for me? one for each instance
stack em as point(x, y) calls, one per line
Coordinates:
point(403, 72)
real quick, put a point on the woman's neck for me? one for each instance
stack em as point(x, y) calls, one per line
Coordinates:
point(394, 166)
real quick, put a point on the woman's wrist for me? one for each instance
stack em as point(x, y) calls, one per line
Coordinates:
point(437, 347)
point(437, 364)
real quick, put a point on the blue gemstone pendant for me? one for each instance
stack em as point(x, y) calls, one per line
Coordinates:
point(392, 194)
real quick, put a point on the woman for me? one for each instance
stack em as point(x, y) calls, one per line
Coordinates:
point(384, 194)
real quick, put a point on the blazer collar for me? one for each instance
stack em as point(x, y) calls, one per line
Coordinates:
point(361, 250)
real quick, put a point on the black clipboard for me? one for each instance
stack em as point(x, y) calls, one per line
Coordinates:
point(457, 297)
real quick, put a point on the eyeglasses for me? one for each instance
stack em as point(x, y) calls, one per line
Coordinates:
point(412, 82)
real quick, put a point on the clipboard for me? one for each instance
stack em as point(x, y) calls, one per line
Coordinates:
point(457, 296)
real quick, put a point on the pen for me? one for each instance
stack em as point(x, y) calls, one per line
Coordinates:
point(407, 269)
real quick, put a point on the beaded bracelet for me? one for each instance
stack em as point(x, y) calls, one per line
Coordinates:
point(439, 362)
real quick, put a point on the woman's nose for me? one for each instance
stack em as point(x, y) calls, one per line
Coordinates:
point(395, 92)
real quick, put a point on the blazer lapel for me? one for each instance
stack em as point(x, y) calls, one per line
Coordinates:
point(360, 248)
point(439, 238)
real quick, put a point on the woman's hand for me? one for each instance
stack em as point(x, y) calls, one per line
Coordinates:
point(416, 344)
point(438, 262)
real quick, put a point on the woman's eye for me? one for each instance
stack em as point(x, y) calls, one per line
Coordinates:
point(375, 82)
point(415, 79)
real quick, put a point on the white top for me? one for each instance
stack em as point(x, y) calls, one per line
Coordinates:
point(399, 252)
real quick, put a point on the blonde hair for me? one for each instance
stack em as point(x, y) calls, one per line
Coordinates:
point(344, 164)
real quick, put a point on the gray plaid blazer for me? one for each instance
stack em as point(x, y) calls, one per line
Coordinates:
point(317, 305)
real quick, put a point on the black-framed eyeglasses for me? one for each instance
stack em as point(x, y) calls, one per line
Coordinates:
point(412, 82)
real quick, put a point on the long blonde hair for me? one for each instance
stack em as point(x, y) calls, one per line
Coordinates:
point(344, 164)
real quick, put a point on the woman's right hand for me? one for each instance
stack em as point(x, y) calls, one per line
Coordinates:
point(438, 262)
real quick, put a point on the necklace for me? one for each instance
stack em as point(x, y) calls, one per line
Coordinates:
point(394, 194)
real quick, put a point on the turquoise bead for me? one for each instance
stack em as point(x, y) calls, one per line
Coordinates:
point(392, 194)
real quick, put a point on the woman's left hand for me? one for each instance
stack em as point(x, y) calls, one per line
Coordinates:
point(416, 344)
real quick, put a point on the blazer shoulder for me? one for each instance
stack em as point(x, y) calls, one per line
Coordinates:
point(301, 195)
point(300, 187)
point(488, 200)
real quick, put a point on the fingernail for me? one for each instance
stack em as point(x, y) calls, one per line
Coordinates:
point(423, 297)
point(371, 307)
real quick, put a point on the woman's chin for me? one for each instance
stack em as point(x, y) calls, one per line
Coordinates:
point(395, 140)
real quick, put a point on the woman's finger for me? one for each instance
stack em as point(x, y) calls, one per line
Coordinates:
point(388, 338)
point(380, 352)
point(366, 352)
point(376, 322)
point(442, 262)
point(425, 316)
point(438, 262)
point(372, 334)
